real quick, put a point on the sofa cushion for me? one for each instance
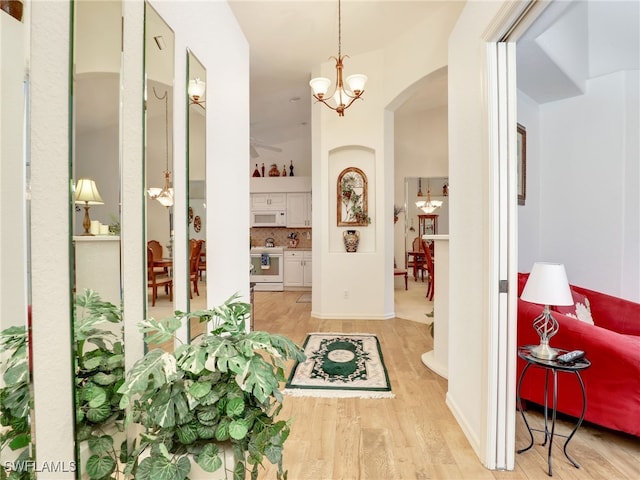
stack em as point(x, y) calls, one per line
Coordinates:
point(580, 310)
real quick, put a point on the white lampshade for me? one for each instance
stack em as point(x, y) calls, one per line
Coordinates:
point(86, 192)
point(547, 285)
point(320, 86)
point(356, 82)
point(196, 89)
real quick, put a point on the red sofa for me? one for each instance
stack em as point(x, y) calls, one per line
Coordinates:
point(612, 345)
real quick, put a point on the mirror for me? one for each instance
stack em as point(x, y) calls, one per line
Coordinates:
point(196, 215)
point(15, 381)
point(95, 165)
point(159, 49)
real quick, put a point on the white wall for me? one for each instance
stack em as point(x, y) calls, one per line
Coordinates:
point(583, 205)
point(368, 124)
point(529, 213)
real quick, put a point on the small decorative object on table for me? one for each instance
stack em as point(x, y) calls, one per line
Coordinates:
point(284, 170)
point(273, 171)
point(256, 173)
point(293, 239)
point(291, 169)
point(351, 240)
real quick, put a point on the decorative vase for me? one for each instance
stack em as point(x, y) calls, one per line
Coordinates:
point(351, 239)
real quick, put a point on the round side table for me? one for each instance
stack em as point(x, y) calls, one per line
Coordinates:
point(553, 367)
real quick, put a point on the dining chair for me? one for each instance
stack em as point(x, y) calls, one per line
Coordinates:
point(418, 247)
point(194, 265)
point(157, 279)
point(202, 268)
point(157, 251)
point(430, 272)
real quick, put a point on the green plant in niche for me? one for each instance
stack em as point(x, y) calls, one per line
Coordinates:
point(220, 391)
point(15, 404)
point(99, 373)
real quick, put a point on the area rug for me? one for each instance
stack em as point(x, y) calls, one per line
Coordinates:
point(304, 298)
point(340, 365)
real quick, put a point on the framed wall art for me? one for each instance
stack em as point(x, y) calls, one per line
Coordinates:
point(352, 198)
point(522, 164)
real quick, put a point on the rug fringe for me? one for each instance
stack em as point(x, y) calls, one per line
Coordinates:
point(297, 392)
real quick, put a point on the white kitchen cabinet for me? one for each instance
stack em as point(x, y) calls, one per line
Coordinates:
point(269, 201)
point(297, 268)
point(298, 210)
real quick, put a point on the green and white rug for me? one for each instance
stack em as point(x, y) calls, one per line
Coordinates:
point(340, 365)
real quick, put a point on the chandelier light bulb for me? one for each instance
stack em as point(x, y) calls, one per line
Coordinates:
point(320, 86)
point(196, 89)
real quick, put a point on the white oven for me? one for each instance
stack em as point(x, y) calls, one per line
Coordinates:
point(267, 268)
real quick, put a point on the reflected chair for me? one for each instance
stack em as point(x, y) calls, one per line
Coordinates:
point(202, 268)
point(157, 279)
point(158, 254)
point(194, 265)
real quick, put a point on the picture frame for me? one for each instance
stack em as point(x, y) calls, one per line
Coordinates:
point(352, 198)
point(522, 164)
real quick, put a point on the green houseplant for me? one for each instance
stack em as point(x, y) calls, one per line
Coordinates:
point(99, 372)
point(15, 403)
point(220, 391)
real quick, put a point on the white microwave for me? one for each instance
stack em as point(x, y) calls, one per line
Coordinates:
point(268, 218)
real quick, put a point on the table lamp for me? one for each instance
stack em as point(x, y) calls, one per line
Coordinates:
point(547, 285)
point(87, 193)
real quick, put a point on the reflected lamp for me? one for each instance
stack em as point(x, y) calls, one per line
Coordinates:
point(547, 285)
point(86, 192)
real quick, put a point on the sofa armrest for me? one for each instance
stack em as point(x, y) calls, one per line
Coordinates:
point(613, 313)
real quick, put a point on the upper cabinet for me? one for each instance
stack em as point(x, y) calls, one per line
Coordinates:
point(299, 210)
point(268, 201)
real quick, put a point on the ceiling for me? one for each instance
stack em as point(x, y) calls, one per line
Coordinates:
point(290, 38)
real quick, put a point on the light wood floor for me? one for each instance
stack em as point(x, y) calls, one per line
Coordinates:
point(413, 436)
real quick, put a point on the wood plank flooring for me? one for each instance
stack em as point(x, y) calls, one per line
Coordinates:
point(413, 436)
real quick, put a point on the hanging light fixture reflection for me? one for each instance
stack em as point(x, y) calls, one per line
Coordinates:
point(430, 205)
point(343, 96)
point(196, 91)
point(164, 195)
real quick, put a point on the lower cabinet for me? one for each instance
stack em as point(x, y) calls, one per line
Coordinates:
point(297, 268)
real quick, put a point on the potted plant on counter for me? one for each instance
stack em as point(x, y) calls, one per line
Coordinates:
point(219, 392)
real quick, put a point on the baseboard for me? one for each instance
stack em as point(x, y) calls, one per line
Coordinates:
point(351, 316)
point(465, 427)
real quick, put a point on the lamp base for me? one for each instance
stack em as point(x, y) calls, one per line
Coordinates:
point(544, 351)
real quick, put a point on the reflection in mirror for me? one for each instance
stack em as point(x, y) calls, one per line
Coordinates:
point(15, 382)
point(159, 72)
point(196, 154)
point(426, 209)
point(95, 157)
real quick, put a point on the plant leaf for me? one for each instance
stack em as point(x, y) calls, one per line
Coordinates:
point(100, 445)
point(100, 466)
point(209, 460)
point(156, 367)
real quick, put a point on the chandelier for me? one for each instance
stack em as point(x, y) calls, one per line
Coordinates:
point(164, 195)
point(430, 205)
point(343, 96)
